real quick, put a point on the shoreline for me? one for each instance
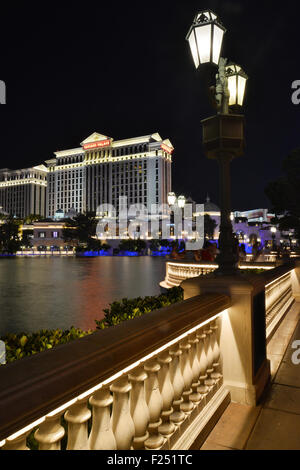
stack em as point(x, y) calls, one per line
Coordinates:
point(80, 255)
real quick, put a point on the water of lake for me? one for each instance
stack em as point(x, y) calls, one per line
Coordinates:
point(51, 293)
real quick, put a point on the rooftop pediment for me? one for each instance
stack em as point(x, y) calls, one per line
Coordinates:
point(95, 137)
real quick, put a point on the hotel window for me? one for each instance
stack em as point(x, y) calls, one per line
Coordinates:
point(42, 234)
point(54, 234)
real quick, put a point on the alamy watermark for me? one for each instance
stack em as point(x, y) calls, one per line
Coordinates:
point(161, 222)
point(296, 354)
point(2, 352)
point(2, 92)
point(296, 93)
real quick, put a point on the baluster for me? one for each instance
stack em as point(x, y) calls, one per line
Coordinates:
point(155, 404)
point(50, 433)
point(167, 428)
point(122, 424)
point(138, 407)
point(187, 406)
point(216, 375)
point(210, 382)
point(203, 388)
point(195, 397)
point(18, 443)
point(102, 436)
point(177, 417)
point(77, 417)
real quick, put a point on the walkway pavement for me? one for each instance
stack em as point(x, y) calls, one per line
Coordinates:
point(275, 423)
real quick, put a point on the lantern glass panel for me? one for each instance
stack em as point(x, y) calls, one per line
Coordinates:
point(241, 89)
point(203, 35)
point(193, 46)
point(171, 199)
point(181, 202)
point(217, 43)
point(232, 86)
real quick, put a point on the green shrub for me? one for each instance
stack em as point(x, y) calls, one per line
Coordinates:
point(132, 245)
point(23, 344)
point(253, 271)
point(127, 309)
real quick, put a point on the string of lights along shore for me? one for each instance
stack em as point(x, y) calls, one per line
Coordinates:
point(98, 172)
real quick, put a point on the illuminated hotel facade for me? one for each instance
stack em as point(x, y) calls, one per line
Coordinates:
point(101, 170)
point(23, 192)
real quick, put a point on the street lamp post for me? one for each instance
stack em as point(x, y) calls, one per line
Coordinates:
point(223, 134)
point(172, 199)
point(176, 208)
point(290, 239)
point(181, 202)
point(273, 231)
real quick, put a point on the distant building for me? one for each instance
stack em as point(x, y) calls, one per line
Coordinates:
point(256, 215)
point(48, 236)
point(23, 192)
point(214, 213)
point(2, 211)
point(102, 169)
point(254, 228)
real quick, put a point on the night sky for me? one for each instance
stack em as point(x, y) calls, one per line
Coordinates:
point(124, 69)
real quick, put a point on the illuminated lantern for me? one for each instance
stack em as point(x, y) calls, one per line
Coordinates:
point(181, 202)
point(171, 199)
point(205, 38)
point(237, 80)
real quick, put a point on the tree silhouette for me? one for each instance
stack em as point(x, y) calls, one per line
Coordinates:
point(284, 194)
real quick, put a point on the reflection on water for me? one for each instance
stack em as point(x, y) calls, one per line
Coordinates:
point(61, 292)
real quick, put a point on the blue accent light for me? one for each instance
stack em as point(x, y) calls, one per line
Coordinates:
point(159, 253)
point(94, 253)
point(131, 253)
point(7, 255)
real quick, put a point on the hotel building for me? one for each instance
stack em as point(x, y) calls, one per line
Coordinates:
point(23, 192)
point(101, 170)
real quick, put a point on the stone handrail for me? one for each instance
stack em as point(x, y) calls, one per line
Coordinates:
point(146, 383)
point(278, 294)
point(277, 282)
point(179, 270)
point(259, 304)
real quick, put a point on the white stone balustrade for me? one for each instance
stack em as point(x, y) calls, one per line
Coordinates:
point(102, 436)
point(279, 298)
point(182, 362)
point(50, 432)
point(17, 443)
point(195, 397)
point(177, 381)
point(138, 408)
point(210, 382)
point(77, 417)
point(187, 406)
point(141, 409)
point(155, 405)
point(178, 271)
point(122, 422)
point(167, 393)
point(203, 389)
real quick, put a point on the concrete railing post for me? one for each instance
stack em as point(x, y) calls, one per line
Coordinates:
point(245, 367)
